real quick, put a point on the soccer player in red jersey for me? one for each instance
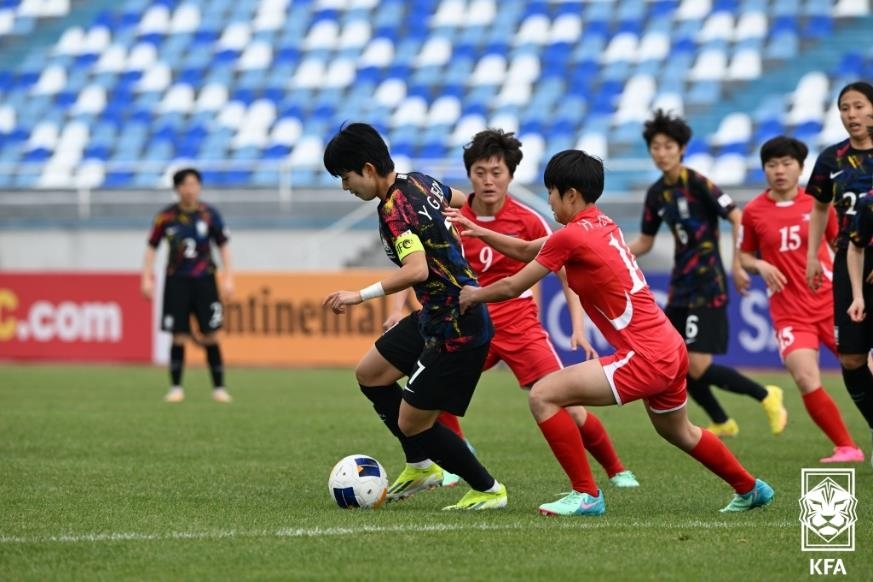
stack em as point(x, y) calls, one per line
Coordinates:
point(438, 348)
point(650, 361)
point(190, 227)
point(691, 206)
point(519, 338)
point(773, 244)
point(843, 176)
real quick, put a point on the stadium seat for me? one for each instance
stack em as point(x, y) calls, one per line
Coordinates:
point(734, 128)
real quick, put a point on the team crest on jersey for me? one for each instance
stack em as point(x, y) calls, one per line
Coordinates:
point(202, 228)
point(682, 204)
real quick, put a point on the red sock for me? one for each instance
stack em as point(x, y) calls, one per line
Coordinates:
point(826, 415)
point(715, 456)
point(450, 421)
point(563, 437)
point(597, 442)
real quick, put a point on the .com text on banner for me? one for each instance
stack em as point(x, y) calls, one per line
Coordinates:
point(97, 317)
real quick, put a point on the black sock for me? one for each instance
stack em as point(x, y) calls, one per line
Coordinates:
point(386, 401)
point(450, 452)
point(702, 394)
point(732, 381)
point(216, 366)
point(177, 363)
point(859, 383)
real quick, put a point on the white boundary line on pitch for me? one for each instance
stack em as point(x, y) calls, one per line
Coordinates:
point(317, 532)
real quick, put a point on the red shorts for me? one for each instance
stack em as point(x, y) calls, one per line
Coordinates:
point(660, 384)
point(525, 347)
point(796, 335)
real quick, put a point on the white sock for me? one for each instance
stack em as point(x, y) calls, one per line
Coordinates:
point(494, 488)
point(425, 464)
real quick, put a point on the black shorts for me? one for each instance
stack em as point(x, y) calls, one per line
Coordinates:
point(852, 337)
point(186, 295)
point(436, 379)
point(705, 329)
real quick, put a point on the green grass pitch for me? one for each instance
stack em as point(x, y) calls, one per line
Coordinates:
point(101, 480)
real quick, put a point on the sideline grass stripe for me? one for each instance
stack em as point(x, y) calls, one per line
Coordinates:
point(345, 531)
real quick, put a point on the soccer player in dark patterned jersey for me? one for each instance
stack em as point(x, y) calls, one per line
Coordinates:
point(190, 227)
point(439, 349)
point(697, 304)
point(773, 244)
point(519, 338)
point(843, 176)
point(650, 361)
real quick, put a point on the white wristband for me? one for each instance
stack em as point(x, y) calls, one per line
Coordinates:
point(373, 291)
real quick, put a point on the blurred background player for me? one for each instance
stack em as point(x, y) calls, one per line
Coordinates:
point(439, 349)
point(773, 244)
point(697, 305)
point(519, 338)
point(190, 227)
point(650, 361)
point(843, 175)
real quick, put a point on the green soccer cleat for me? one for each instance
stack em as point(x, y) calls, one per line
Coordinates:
point(481, 500)
point(576, 503)
point(760, 496)
point(412, 480)
point(624, 479)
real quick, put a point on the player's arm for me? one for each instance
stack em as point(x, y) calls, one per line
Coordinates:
point(818, 219)
point(506, 288)
point(148, 273)
point(226, 271)
point(577, 318)
point(740, 276)
point(397, 305)
point(457, 199)
point(413, 270)
point(773, 277)
point(855, 266)
point(514, 248)
point(641, 245)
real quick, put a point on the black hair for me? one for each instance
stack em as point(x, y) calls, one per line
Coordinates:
point(493, 143)
point(180, 175)
point(862, 87)
point(781, 146)
point(575, 169)
point(672, 126)
point(353, 146)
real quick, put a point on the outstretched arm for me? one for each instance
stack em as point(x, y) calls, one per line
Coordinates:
point(504, 289)
point(641, 245)
point(414, 270)
point(514, 248)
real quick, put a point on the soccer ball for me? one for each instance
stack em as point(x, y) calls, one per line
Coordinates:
point(358, 481)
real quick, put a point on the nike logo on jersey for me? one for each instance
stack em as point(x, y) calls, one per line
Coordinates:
point(835, 174)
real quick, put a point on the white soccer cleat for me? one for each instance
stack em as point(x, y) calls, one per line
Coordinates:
point(221, 395)
point(176, 394)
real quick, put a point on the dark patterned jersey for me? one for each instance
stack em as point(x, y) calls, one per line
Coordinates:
point(410, 219)
point(691, 208)
point(189, 234)
point(844, 176)
point(861, 233)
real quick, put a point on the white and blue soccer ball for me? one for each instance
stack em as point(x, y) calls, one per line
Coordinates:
point(358, 481)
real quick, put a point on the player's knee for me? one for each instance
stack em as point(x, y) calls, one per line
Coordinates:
point(180, 338)
point(853, 361)
point(411, 427)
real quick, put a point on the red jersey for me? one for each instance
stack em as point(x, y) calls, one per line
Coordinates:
point(778, 232)
point(612, 288)
point(513, 219)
